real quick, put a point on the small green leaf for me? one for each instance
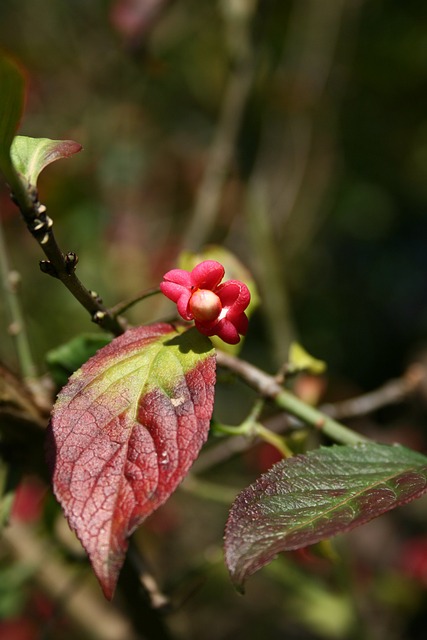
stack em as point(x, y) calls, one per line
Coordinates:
point(31, 155)
point(300, 360)
point(67, 358)
point(12, 97)
point(308, 498)
point(22, 157)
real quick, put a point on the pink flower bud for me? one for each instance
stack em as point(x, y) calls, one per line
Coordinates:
point(217, 309)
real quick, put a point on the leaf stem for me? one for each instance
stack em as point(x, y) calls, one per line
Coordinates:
point(121, 307)
point(252, 428)
point(274, 439)
point(268, 387)
point(209, 490)
point(17, 328)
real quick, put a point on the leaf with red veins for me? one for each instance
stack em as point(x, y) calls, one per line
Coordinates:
point(207, 275)
point(124, 432)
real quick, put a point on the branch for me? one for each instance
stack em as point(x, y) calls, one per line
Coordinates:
point(268, 387)
point(58, 264)
point(392, 392)
point(82, 604)
point(17, 328)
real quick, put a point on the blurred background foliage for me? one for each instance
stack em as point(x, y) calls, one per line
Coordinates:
point(324, 198)
point(292, 132)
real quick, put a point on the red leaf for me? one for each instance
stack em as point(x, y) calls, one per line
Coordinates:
point(124, 432)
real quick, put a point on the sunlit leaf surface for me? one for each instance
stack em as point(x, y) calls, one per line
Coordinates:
point(124, 432)
point(305, 499)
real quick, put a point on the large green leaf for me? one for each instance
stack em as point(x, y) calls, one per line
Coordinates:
point(305, 499)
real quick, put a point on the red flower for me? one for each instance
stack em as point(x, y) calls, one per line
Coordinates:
point(217, 309)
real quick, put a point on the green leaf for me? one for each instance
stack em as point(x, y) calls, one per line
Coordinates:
point(12, 97)
point(31, 155)
point(300, 360)
point(234, 270)
point(308, 498)
point(67, 358)
point(21, 158)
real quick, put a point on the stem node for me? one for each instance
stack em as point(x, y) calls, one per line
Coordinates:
point(47, 267)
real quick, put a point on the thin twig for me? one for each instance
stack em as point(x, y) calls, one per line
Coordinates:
point(392, 392)
point(121, 307)
point(17, 328)
point(268, 387)
point(58, 264)
point(208, 490)
point(158, 600)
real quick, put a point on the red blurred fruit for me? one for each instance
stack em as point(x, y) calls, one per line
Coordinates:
point(413, 560)
point(18, 629)
point(28, 501)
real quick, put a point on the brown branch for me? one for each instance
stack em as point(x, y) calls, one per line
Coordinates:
point(58, 264)
point(391, 392)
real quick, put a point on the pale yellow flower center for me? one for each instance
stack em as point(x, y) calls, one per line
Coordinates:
point(205, 305)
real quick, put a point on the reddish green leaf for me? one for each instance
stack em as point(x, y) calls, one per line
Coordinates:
point(308, 498)
point(124, 432)
point(12, 96)
point(31, 155)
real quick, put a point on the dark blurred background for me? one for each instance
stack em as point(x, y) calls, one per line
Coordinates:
point(294, 133)
point(324, 197)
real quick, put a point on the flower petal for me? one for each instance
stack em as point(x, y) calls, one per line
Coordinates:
point(206, 329)
point(227, 331)
point(183, 305)
point(179, 276)
point(173, 291)
point(241, 323)
point(235, 295)
point(207, 274)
